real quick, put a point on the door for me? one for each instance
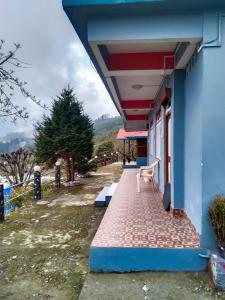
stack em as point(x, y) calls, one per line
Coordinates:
point(168, 148)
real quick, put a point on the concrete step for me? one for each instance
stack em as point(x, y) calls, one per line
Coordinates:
point(110, 192)
point(126, 259)
point(100, 200)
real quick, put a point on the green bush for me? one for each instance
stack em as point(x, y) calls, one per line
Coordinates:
point(47, 187)
point(21, 195)
point(105, 148)
point(84, 166)
point(25, 195)
point(217, 217)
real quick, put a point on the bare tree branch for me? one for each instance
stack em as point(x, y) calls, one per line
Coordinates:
point(9, 83)
point(18, 165)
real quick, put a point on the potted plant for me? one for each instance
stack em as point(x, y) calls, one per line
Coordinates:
point(217, 261)
point(217, 217)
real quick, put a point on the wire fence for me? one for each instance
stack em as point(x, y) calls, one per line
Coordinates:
point(105, 160)
point(37, 179)
point(14, 192)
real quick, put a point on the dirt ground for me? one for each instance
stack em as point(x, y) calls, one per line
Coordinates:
point(150, 286)
point(44, 247)
point(44, 254)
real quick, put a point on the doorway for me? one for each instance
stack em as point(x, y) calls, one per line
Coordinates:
point(168, 148)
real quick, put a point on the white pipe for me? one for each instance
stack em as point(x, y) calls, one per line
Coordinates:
point(221, 15)
point(218, 39)
point(205, 255)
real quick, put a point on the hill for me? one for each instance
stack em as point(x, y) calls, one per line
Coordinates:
point(13, 141)
point(106, 129)
point(104, 124)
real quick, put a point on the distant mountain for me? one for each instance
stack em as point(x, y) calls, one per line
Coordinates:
point(15, 140)
point(105, 124)
point(106, 127)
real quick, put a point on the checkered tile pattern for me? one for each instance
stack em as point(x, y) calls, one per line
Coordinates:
point(139, 220)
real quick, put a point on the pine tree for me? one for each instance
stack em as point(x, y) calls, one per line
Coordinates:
point(67, 133)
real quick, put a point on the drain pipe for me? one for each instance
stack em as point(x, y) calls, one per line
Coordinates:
point(206, 255)
point(218, 38)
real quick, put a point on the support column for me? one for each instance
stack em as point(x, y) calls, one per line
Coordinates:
point(124, 152)
point(162, 150)
point(154, 135)
point(177, 140)
point(129, 159)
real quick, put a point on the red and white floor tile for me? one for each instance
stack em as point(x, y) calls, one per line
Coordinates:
point(138, 220)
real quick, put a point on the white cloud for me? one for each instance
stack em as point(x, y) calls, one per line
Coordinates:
point(51, 45)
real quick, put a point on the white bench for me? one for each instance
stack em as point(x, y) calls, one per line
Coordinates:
point(100, 200)
point(110, 192)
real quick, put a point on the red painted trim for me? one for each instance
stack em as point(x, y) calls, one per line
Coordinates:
point(140, 61)
point(136, 117)
point(137, 104)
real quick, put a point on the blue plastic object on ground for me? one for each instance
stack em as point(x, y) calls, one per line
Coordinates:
point(8, 208)
point(217, 264)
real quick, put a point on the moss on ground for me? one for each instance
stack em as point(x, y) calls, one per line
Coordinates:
point(44, 248)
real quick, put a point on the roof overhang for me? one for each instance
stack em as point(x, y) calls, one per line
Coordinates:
point(164, 4)
point(133, 50)
point(131, 135)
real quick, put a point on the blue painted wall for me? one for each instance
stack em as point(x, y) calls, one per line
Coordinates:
point(193, 143)
point(177, 139)
point(145, 27)
point(213, 131)
point(141, 161)
point(204, 134)
point(112, 259)
point(198, 130)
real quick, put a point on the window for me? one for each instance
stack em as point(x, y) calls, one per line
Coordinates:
point(158, 138)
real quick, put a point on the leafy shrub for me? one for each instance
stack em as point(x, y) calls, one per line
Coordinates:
point(24, 195)
point(84, 166)
point(21, 195)
point(217, 217)
point(105, 148)
point(47, 187)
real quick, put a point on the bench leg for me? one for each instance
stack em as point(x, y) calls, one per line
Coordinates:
point(138, 183)
point(154, 186)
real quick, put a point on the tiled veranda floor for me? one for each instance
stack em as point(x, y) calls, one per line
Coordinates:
point(139, 220)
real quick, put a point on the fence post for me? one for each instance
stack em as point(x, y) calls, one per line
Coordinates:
point(57, 175)
point(117, 156)
point(37, 183)
point(112, 157)
point(2, 214)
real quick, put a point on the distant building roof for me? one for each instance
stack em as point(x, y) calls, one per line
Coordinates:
point(132, 135)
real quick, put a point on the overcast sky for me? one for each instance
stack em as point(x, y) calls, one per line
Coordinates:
point(51, 45)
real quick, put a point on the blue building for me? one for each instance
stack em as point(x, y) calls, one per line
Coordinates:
point(163, 63)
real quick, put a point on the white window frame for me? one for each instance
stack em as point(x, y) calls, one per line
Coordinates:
point(152, 140)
